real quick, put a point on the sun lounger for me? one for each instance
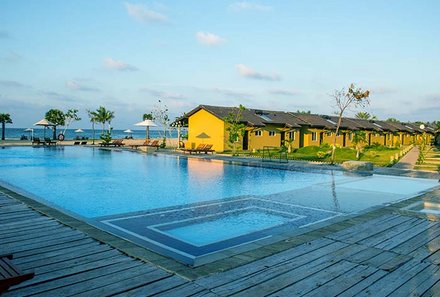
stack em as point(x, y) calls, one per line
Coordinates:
point(83, 142)
point(48, 141)
point(117, 142)
point(36, 141)
point(207, 149)
point(76, 143)
point(10, 274)
point(136, 146)
point(154, 143)
point(195, 150)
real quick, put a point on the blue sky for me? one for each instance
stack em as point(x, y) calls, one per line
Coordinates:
point(281, 55)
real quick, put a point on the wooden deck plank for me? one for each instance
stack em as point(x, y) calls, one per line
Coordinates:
point(20, 224)
point(254, 267)
point(386, 234)
point(385, 222)
point(49, 287)
point(61, 257)
point(343, 282)
point(405, 236)
point(187, 289)
point(154, 288)
point(393, 280)
point(243, 283)
point(100, 281)
point(42, 233)
point(271, 281)
point(418, 241)
point(434, 291)
point(30, 231)
point(306, 285)
point(68, 270)
point(49, 248)
point(67, 264)
point(130, 282)
point(365, 283)
point(429, 276)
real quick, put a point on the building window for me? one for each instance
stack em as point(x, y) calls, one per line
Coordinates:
point(292, 135)
point(313, 136)
point(258, 133)
point(272, 133)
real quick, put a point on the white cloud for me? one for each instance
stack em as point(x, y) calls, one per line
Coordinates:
point(283, 92)
point(143, 14)
point(208, 38)
point(111, 63)
point(79, 86)
point(12, 84)
point(231, 93)
point(247, 72)
point(245, 5)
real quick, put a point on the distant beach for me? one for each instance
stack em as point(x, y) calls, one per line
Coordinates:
point(17, 133)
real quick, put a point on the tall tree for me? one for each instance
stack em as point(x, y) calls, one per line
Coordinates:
point(93, 119)
point(70, 116)
point(5, 118)
point(57, 118)
point(235, 127)
point(104, 116)
point(392, 120)
point(160, 116)
point(344, 99)
point(303, 111)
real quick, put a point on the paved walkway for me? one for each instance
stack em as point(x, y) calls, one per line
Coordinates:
point(409, 160)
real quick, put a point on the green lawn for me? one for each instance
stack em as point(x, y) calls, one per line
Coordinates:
point(379, 155)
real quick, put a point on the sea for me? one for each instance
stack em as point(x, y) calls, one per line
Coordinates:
point(17, 133)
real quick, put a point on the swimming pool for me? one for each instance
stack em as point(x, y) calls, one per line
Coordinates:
point(190, 208)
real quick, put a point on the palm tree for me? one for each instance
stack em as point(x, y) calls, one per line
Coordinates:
point(93, 119)
point(363, 115)
point(5, 118)
point(103, 116)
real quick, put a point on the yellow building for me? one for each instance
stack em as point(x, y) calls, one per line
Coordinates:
point(207, 125)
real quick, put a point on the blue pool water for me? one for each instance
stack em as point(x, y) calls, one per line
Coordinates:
point(97, 182)
point(227, 227)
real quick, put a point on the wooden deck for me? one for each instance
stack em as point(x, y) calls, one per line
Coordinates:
point(390, 255)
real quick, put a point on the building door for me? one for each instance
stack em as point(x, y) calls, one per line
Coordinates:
point(369, 138)
point(344, 139)
point(402, 139)
point(385, 139)
point(321, 137)
point(246, 141)
point(283, 137)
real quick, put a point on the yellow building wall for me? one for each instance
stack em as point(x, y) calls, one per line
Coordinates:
point(295, 142)
point(205, 122)
point(258, 142)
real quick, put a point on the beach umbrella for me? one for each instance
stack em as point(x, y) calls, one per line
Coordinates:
point(45, 124)
point(129, 132)
point(79, 131)
point(31, 132)
point(147, 124)
point(203, 135)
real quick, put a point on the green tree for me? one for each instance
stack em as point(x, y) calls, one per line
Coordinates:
point(103, 116)
point(343, 99)
point(160, 116)
point(393, 120)
point(147, 116)
point(359, 138)
point(70, 116)
point(5, 118)
point(236, 128)
point(57, 118)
